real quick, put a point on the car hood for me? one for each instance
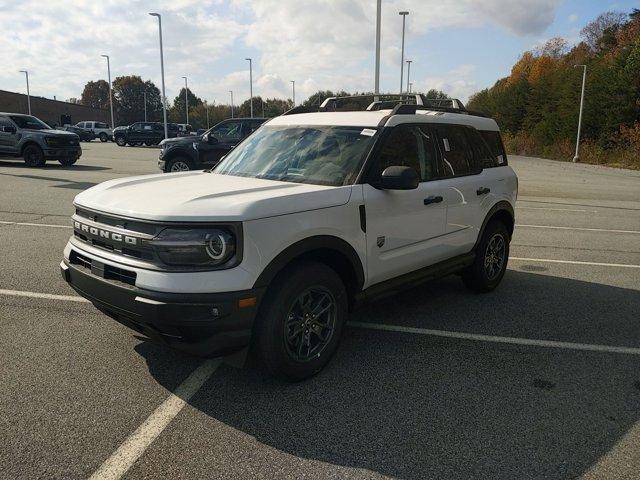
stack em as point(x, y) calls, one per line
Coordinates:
point(201, 196)
point(49, 131)
point(168, 142)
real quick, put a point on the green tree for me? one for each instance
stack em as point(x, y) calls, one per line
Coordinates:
point(177, 111)
point(96, 94)
point(129, 93)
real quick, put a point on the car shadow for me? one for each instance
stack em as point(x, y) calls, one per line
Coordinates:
point(65, 182)
point(53, 166)
point(415, 406)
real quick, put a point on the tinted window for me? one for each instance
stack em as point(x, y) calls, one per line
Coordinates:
point(228, 132)
point(483, 155)
point(457, 154)
point(100, 125)
point(27, 121)
point(494, 141)
point(409, 146)
point(4, 122)
point(137, 127)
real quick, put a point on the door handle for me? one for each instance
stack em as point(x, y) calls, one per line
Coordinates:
point(430, 200)
point(483, 191)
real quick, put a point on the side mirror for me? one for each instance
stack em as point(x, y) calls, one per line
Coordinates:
point(211, 140)
point(399, 178)
point(9, 129)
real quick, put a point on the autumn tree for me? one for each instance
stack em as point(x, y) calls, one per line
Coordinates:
point(96, 94)
point(129, 92)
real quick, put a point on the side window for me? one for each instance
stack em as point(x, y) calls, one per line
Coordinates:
point(409, 146)
point(100, 125)
point(4, 122)
point(494, 140)
point(483, 156)
point(457, 154)
point(147, 127)
point(137, 127)
point(228, 132)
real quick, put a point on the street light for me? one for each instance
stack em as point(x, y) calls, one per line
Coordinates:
point(164, 97)
point(231, 92)
point(584, 81)
point(250, 86)
point(186, 99)
point(408, 74)
point(410, 87)
point(206, 106)
point(26, 73)
point(293, 85)
point(404, 17)
point(377, 74)
point(110, 95)
point(144, 96)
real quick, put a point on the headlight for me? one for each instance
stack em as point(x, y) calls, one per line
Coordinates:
point(195, 145)
point(197, 247)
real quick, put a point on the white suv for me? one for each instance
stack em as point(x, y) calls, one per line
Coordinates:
point(100, 130)
point(306, 218)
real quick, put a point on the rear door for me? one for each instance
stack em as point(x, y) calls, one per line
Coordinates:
point(404, 226)
point(8, 141)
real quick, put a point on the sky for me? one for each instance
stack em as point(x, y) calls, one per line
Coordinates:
point(458, 46)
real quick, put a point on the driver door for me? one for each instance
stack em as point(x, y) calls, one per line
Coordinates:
point(227, 136)
point(404, 226)
point(8, 140)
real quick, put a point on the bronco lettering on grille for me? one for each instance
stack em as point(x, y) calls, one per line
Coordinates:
point(99, 232)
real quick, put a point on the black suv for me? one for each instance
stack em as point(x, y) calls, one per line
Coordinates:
point(196, 153)
point(149, 133)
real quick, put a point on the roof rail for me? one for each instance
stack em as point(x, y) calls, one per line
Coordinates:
point(332, 102)
point(302, 109)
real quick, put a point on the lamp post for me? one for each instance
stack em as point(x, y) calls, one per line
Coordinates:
point(293, 86)
point(144, 96)
point(186, 99)
point(250, 86)
point(377, 74)
point(410, 86)
point(408, 74)
point(164, 97)
point(231, 92)
point(206, 107)
point(584, 81)
point(26, 74)
point(404, 17)
point(110, 94)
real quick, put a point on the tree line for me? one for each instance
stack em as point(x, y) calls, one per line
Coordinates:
point(537, 105)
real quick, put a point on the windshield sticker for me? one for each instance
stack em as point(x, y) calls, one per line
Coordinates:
point(369, 132)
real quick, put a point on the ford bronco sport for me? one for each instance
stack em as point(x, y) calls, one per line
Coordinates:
point(306, 218)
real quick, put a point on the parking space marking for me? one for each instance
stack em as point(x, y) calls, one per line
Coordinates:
point(495, 339)
point(27, 224)
point(48, 296)
point(578, 228)
point(574, 262)
point(137, 443)
point(557, 209)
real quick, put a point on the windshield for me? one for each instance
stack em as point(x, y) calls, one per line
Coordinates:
point(322, 155)
point(27, 121)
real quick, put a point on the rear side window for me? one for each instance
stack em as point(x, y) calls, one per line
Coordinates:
point(484, 156)
point(409, 146)
point(494, 141)
point(458, 157)
point(100, 125)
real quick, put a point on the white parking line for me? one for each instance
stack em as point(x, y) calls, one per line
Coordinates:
point(47, 296)
point(577, 228)
point(574, 262)
point(27, 224)
point(490, 338)
point(135, 445)
point(556, 209)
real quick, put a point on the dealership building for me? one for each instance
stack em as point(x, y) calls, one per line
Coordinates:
point(52, 112)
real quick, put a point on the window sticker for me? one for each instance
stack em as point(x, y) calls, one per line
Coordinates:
point(445, 141)
point(369, 132)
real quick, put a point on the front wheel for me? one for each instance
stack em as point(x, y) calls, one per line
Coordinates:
point(121, 141)
point(67, 162)
point(490, 264)
point(33, 156)
point(179, 165)
point(301, 320)
point(103, 137)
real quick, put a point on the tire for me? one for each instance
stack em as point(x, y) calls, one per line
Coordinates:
point(135, 144)
point(178, 164)
point(67, 162)
point(121, 141)
point(492, 255)
point(149, 143)
point(287, 307)
point(33, 156)
point(103, 137)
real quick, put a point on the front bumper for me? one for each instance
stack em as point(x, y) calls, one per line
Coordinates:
point(62, 152)
point(199, 324)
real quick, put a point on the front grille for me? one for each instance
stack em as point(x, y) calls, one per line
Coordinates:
point(103, 270)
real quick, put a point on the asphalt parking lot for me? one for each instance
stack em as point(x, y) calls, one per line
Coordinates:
point(538, 379)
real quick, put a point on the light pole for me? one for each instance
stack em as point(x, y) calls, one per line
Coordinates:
point(164, 97)
point(293, 86)
point(113, 125)
point(231, 92)
point(144, 96)
point(584, 81)
point(186, 99)
point(408, 74)
point(377, 74)
point(206, 106)
point(410, 87)
point(26, 74)
point(250, 86)
point(404, 17)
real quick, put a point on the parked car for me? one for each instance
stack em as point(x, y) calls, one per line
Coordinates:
point(303, 221)
point(100, 129)
point(148, 133)
point(36, 142)
point(195, 153)
point(84, 134)
point(184, 130)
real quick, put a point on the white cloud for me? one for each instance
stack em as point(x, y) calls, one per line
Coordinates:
point(457, 82)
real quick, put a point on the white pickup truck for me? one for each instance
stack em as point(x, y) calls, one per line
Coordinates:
point(100, 129)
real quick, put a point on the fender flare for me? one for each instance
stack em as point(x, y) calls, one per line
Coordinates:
point(502, 205)
point(308, 245)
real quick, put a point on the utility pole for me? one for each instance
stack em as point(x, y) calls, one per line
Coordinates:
point(110, 94)
point(206, 106)
point(250, 86)
point(186, 99)
point(144, 96)
point(404, 17)
point(164, 96)
point(377, 74)
point(584, 81)
point(293, 85)
point(408, 74)
point(26, 74)
point(231, 92)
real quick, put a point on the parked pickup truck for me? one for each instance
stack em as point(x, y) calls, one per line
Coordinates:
point(100, 130)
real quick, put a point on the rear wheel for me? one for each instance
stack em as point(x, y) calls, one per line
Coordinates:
point(33, 156)
point(103, 137)
point(179, 165)
point(67, 162)
point(301, 320)
point(121, 141)
point(491, 259)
